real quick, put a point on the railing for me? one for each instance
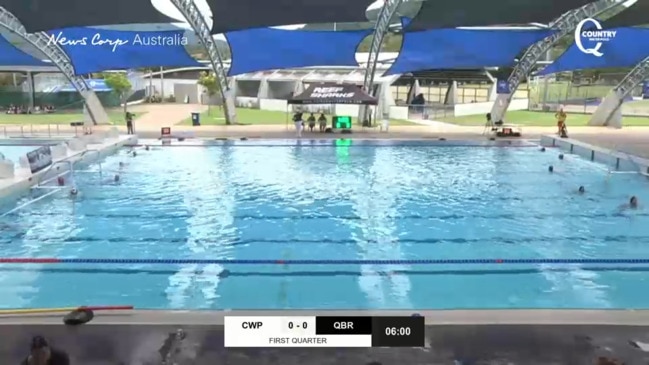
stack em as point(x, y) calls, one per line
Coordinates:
point(39, 130)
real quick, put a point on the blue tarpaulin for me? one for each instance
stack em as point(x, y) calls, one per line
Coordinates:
point(627, 48)
point(10, 55)
point(96, 50)
point(462, 48)
point(270, 49)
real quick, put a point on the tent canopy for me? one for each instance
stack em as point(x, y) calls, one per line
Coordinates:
point(332, 93)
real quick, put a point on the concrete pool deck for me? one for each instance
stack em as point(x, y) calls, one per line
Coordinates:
point(460, 342)
point(541, 317)
point(24, 179)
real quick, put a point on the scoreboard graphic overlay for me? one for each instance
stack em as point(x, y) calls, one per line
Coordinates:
point(324, 331)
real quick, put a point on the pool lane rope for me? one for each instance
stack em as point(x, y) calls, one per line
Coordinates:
point(6, 312)
point(44, 260)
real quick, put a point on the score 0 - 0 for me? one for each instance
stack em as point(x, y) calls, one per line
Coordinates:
point(299, 325)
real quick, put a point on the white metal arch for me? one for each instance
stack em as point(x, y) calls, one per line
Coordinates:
point(609, 112)
point(60, 59)
point(380, 30)
point(196, 20)
point(564, 25)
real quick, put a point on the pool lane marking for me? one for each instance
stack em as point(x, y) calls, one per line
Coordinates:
point(116, 261)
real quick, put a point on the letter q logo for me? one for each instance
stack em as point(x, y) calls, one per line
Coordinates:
point(581, 33)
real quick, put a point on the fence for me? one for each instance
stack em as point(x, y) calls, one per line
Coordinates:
point(578, 92)
point(39, 130)
point(466, 93)
point(430, 112)
point(60, 100)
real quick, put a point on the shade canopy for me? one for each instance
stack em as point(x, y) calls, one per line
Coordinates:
point(332, 93)
point(10, 55)
point(636, 14)
point(476, 13)
point(232, 15)
point(271, 49)
point(43, 15)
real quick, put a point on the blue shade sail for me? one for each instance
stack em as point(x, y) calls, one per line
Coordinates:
point(474, 13)
point(626, 48)
point(270, 49)
point(39, 15)
point(462, 48)
point(96, 50)
point(233, 15)
point(11, 55)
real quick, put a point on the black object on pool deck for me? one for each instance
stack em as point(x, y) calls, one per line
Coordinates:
point(78, 317)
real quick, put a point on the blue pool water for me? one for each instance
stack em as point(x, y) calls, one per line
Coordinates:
point(324, 202)
point(13, 153)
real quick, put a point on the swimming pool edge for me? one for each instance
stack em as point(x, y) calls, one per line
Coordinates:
point(22, 183)
point(618, 160)
point(433, 317)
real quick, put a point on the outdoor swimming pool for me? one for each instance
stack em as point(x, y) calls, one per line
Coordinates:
point(13, 153)
point(321, 201)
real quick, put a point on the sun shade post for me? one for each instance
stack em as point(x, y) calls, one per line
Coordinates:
point(608, 112)
point(60, 60)
point(380, 30)
point(564, 26)
point(196, 20)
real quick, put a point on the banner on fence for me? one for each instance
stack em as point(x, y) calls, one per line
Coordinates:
point(40, 159)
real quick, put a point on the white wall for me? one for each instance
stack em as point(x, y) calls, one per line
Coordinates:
point(484, 108)
point(273, 104)
point(399, 112)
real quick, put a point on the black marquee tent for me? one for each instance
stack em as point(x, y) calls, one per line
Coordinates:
point(332, 93)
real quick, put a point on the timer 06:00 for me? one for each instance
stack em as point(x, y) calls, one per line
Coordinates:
point(394, 331)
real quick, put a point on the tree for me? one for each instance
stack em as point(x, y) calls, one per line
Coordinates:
point(120, 85)
point(211, 85)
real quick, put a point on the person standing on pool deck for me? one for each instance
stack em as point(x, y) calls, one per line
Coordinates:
point(129, 123)
point(561, 120)
point(299, 124)
point(42, 354)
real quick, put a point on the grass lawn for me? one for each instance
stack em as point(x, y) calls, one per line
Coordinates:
point(541, 119)
point(116, 117)
point(258, 117)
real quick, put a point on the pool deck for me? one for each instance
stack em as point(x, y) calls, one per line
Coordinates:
point(433, 317)
point(451, 337)
point(24, 179)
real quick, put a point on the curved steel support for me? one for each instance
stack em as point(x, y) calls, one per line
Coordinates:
point(196, 20)
point(380, 30)
point(564, 26)
point(60, 59)
point(609, 112)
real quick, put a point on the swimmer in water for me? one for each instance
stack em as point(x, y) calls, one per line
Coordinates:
point(74, 192)
point(632, 204)
point(121, 164)
point(147, 147)
point(550, 169)
point(134, 154)
point(581, 190)
point(116, 178)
